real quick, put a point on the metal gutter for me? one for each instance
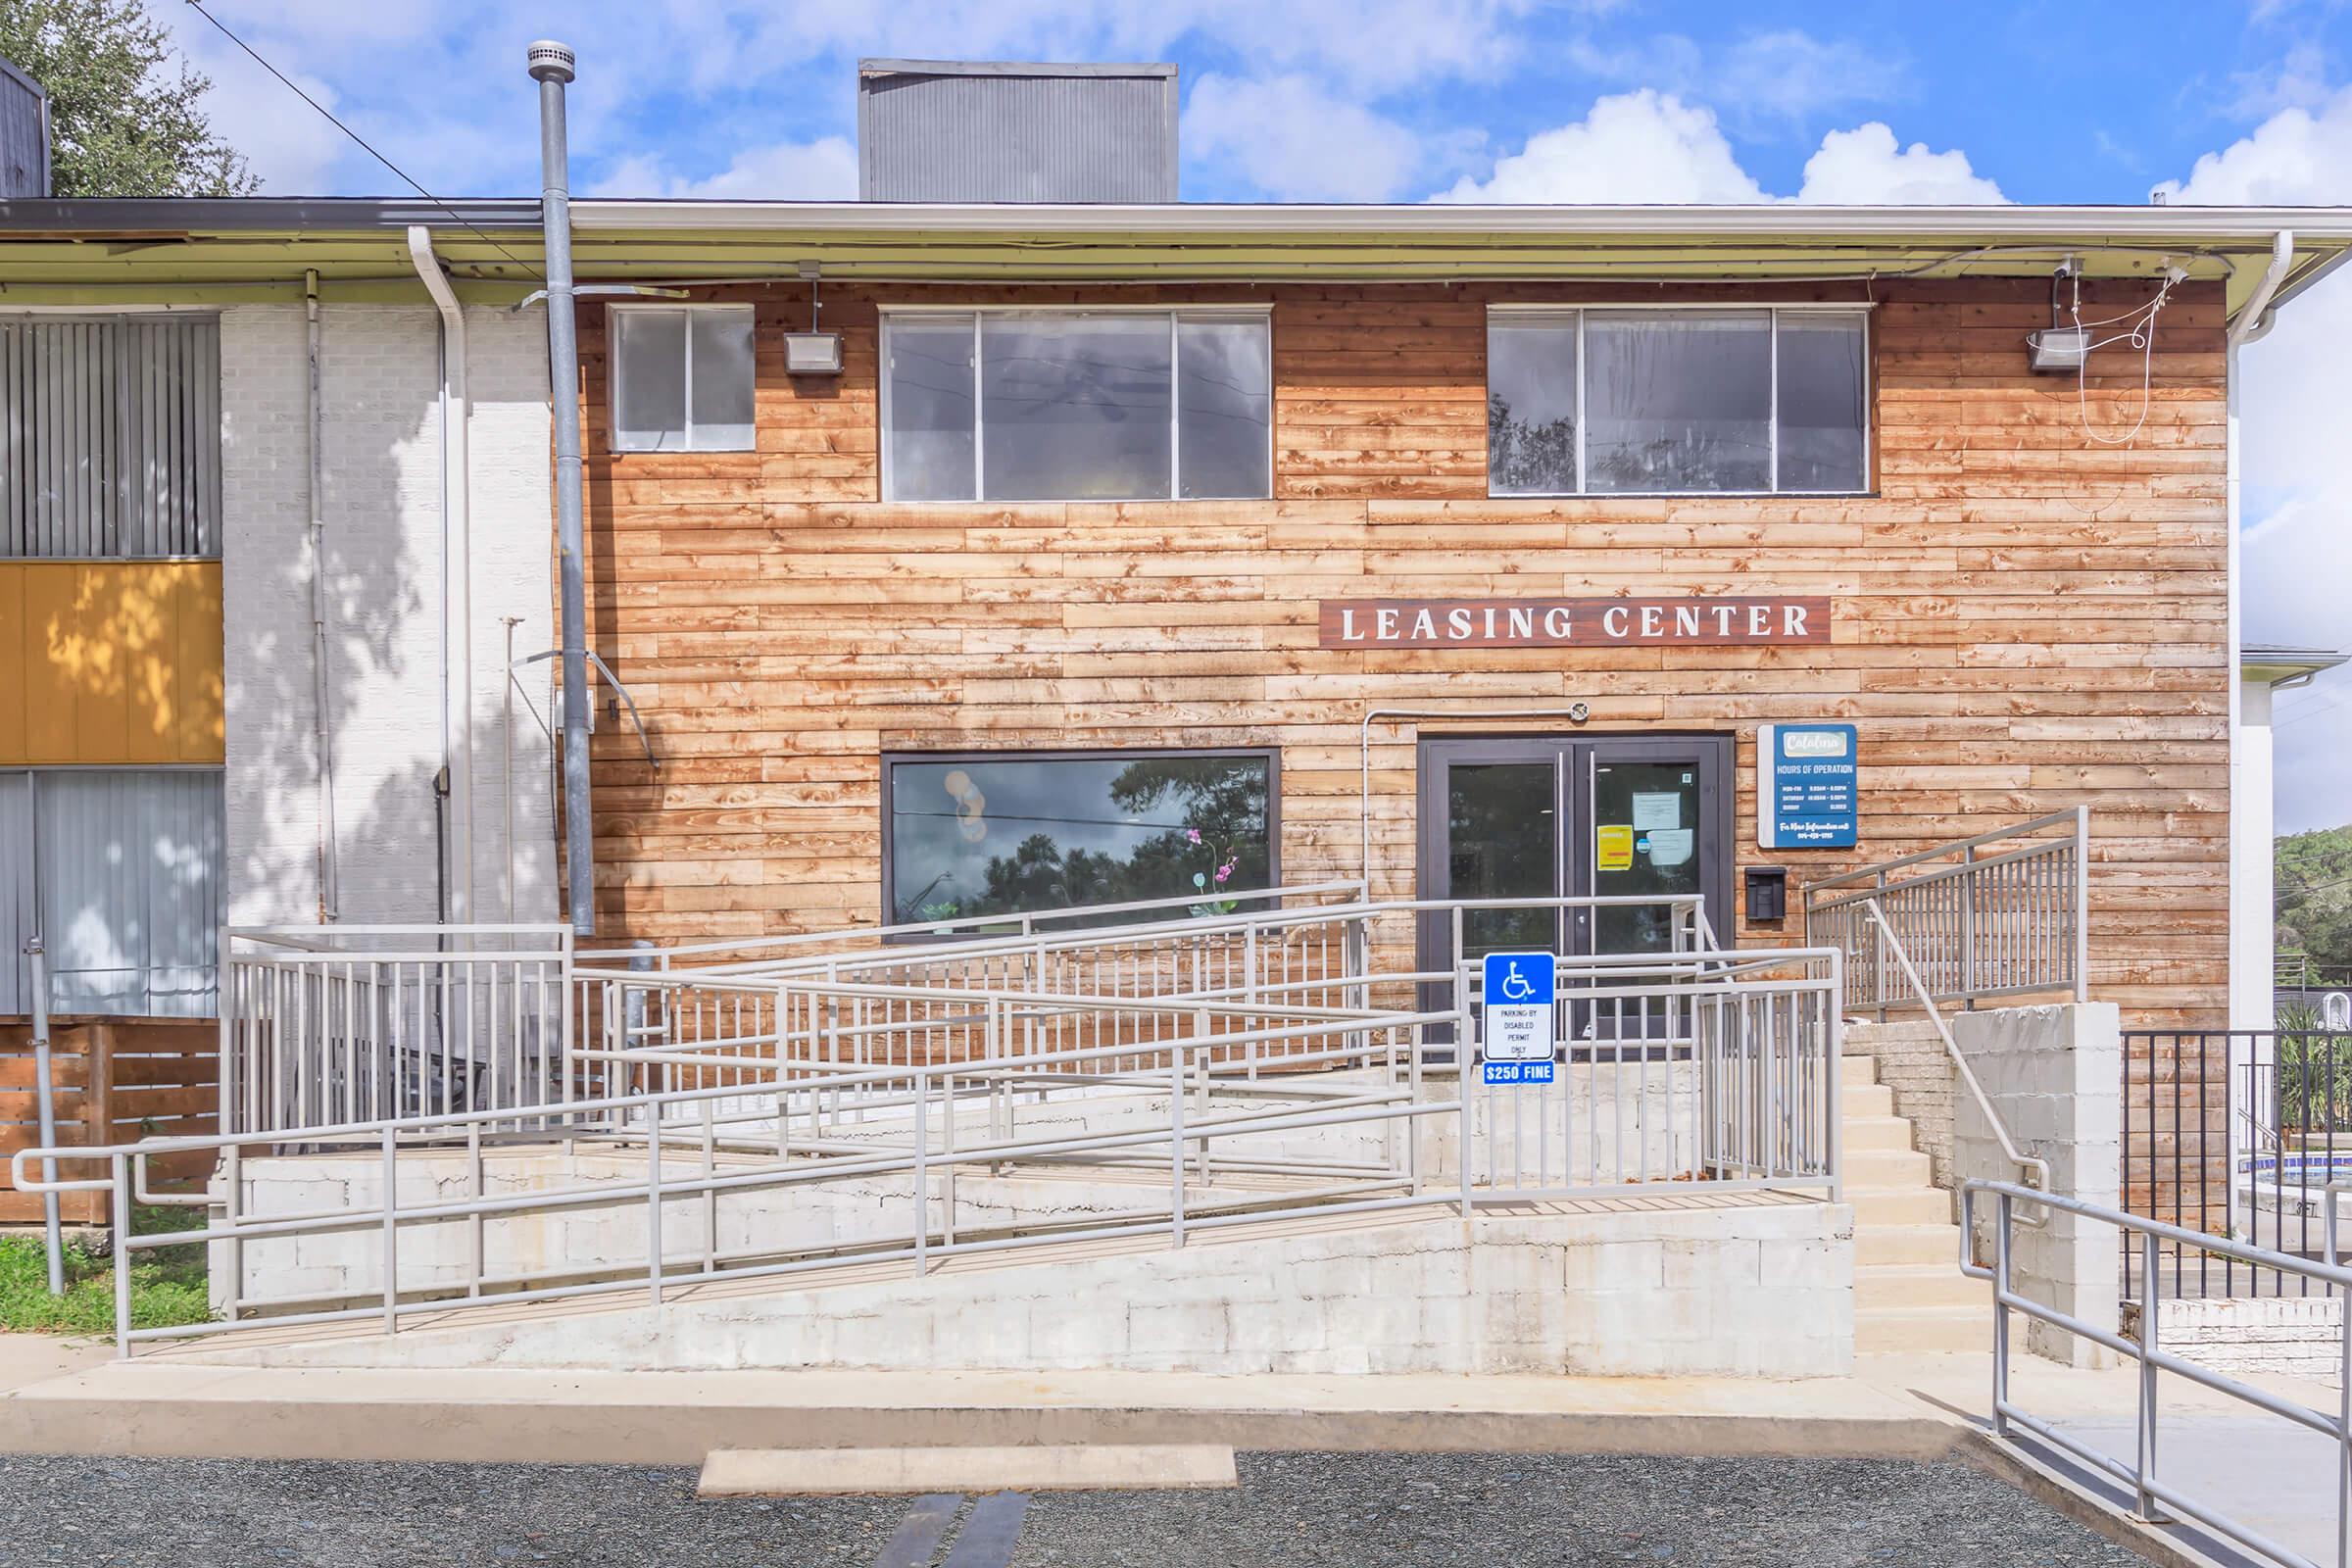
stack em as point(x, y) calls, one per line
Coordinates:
point(2248, 323)
point(101, 214)
point(457, 574)
point(1769, 222)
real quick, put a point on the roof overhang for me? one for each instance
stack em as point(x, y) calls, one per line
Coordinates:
point(2268, 664)
point(208, 251)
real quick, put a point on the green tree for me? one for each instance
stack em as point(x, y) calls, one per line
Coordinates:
point(125, 108)
point(2313, 883)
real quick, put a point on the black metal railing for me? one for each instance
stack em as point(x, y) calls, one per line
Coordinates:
point(2235, 1133)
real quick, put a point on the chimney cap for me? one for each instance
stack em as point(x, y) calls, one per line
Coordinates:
point(551, 61)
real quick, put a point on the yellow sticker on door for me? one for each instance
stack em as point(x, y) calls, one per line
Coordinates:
point(1613, 846)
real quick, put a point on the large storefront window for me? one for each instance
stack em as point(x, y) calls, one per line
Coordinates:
point(1077, 406)
point(1593, 401)
point(1005, 833)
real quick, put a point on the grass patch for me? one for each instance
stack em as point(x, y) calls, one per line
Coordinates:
point(167, 1284)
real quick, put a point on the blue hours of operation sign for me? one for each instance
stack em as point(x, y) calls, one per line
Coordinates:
point(1808, 789)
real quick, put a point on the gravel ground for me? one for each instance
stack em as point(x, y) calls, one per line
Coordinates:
point(1360, 1510)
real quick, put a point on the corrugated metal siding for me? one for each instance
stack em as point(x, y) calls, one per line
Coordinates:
point(24, 136)
point(110, 429)
point(1007, 137)
point(129, 889)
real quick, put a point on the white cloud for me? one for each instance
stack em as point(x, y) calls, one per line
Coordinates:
point(2298, 524)
point(1652, 147)
point(1296, 141)
point(823, 170)
point(1794, 74)
point(1633, 147)
point(1864, 165)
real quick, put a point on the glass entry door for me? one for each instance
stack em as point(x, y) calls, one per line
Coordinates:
point(1538, 817)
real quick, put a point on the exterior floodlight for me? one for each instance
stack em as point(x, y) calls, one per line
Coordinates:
point(2058, 350)
point(812, 352)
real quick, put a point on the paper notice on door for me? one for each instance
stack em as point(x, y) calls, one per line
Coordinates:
point(1613, 846)
point(1669, 846)
point(1657, 809)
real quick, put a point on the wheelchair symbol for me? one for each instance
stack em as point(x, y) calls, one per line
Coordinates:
point(1515, 987)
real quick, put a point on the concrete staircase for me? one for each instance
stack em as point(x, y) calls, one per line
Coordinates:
point(1909, 1294)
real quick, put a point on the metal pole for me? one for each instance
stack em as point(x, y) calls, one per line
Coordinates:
point(53, 1232)
point(2145, 1473)
point(2001, 1316)
point(551, 65)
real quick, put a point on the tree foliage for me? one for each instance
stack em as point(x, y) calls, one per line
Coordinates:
point(125, 108)
point(2312, 882)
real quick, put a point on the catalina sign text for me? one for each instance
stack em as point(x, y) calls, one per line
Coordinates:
point(1566, 623)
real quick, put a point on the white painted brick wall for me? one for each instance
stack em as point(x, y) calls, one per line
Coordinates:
point(2293, 1336)
point(381, 387)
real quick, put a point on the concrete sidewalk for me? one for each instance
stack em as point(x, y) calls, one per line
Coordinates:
point(64, 1397)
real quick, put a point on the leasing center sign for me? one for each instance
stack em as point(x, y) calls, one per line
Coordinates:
point(1570, 623)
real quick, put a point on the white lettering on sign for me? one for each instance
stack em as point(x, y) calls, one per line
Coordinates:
point(1557, 622)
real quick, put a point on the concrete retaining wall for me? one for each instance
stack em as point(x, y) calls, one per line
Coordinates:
point(1678, 1288)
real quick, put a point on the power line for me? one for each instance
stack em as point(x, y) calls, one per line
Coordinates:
point(365, 146)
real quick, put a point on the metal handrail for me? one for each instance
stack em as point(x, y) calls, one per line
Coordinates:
point(2037, 1170)
point(1026, 921)
point(2042, 945)
point(2148, 1490)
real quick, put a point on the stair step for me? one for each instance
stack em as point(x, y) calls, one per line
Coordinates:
point(1854, 1070)
point(1866, 1099)
point(1915, 1204)
point(1918, 1329)
point(1889, 1167)
point(1897, 1285)
point(1891, 1242)
point(1876, 1133)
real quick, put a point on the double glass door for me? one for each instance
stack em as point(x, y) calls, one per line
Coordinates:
point(1542, 817)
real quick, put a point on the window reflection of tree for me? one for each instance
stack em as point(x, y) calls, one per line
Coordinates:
point(1223, 798)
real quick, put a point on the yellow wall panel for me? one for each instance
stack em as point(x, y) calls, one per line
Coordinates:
point(107, 662)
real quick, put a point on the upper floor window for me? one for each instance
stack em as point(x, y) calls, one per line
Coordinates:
point(109, 436)
point(681, 377)
point(1022, 405)
point(1610, 401)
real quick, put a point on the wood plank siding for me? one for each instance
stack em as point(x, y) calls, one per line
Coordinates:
point(2023, 617)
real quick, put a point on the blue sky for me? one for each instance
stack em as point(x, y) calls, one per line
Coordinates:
point(1590, 100)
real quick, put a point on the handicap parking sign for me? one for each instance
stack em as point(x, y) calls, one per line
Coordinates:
point(1515, 1021)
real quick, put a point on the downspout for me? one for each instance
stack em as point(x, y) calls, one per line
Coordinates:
point(456, 579)
point(551, 65)
point(2247, 1010)
point(321, 720)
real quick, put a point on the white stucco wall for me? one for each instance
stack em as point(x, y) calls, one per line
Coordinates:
point(380, 382)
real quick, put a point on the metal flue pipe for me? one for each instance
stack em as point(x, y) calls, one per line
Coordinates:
point(551, 64)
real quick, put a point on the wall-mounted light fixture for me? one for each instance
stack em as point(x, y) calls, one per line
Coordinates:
point(812, 352)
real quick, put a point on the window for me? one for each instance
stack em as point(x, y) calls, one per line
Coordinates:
point(1077, 406)
point(1591, 402)
point(681, 377)
point(109, 436)
point(120, 870)
point(1008, 833)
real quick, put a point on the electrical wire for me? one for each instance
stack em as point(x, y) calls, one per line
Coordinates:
point(363, 143)
point(2141, 335)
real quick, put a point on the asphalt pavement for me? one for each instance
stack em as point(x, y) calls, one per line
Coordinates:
point(1360, 1510)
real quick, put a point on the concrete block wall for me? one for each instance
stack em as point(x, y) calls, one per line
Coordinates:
point(2054, 1075)
point(381, 426)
